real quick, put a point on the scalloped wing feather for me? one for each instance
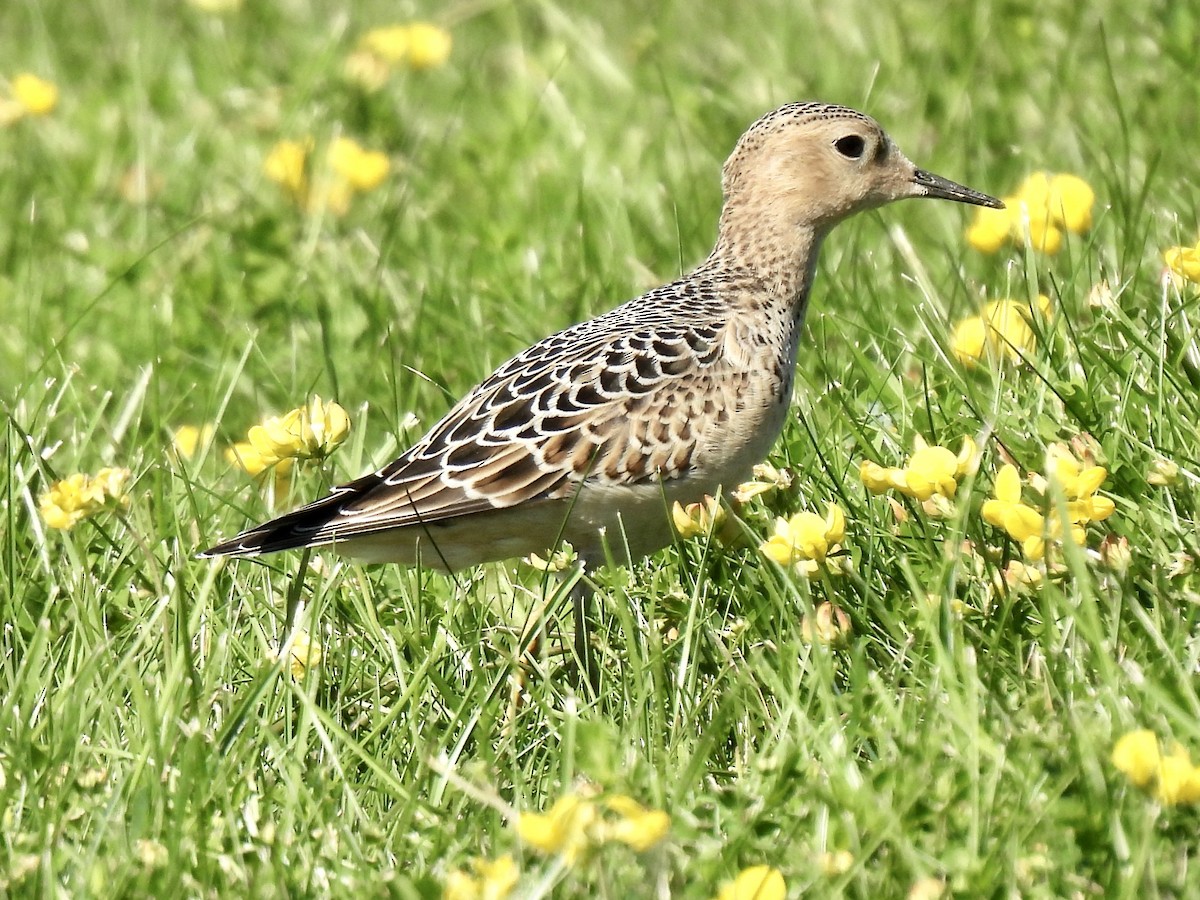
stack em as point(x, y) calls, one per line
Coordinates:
point(620, 399)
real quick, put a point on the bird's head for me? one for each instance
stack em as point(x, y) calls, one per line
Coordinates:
point(813, 164)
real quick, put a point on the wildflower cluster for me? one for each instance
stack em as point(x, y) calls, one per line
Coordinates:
point(1175, 779)
point(345, 171)
point(699, 518)
point(1003, 331)
point(812, 545)
point(557, 560)
point(29, 97)
point(577, 823)
point(79, 496)
point(308, 433)
point(416, 46)
point(1184, 262)
point(1043, 207)
point(931, 474)
point(1042, 523)
point(710, 516)
point(766, 482)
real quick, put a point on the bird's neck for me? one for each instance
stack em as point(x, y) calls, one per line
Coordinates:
point(784, 259)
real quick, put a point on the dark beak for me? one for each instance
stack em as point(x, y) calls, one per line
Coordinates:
point(944, 189)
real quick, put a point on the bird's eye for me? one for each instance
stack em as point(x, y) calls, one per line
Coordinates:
point(851, 146)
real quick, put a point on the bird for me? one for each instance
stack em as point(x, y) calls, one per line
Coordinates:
point(592, 434)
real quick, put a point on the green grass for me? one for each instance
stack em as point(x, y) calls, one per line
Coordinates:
point(565, 160)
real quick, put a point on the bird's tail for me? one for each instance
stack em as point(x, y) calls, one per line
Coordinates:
point(307, 526)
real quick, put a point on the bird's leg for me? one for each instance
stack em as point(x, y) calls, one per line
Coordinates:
point(582, 595)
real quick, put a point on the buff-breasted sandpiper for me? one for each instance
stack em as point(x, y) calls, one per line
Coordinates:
point(591, 434)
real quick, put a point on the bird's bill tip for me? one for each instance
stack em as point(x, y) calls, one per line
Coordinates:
point(940, 188)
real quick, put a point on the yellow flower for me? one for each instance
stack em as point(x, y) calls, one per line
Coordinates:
point(1009, 324)
point(1136, 756)
point(1008, 328)
point(969, 341)
point(63, 506)
point(755, 883)
point(828, 624)
point(1070, 201)
point(636, 826)
point(767, 479)
point(287, 165)
point(1184, 262)
point(1043, 234)
point(418, 46)
point(559, 561)
point(991, 228)
point(564, 830)
point(1075, 480)
point(1021, 522)
point(574, 824)
point(348, 170)
point(1042, 207)
point(492, 880)
point(188, 440)
point(245, 456)
point(363, 170)
point(879, 480)
point(1178, 781)
point(806, 540)
point(936, 470)
point(1034, 526)
point(1032, 217)
point(931, 471)
point(428, 46)
point(697, 519)
point(1079, 484)
point(1052, 202)
point(389, 44)
point(1003, 330)
point(69, 501)
point(305, 654)
point(36, 96)
point(309, 432)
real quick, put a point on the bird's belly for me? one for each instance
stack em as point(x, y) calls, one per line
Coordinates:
point(727, 456)
point(601, 521)
point(636, 519)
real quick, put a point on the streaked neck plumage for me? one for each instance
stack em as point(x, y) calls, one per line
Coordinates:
point(782, 255)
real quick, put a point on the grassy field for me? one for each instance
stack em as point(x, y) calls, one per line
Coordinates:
point(956, 742)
